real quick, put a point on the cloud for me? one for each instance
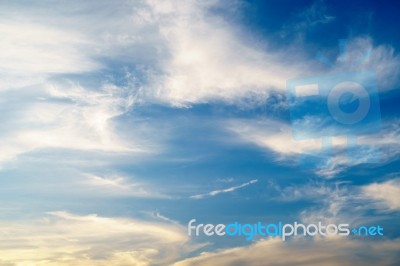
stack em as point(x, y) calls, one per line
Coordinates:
point(310, 191)
point(182, 54)
point(386, 193)
point(361, 53)
point(29, 48)
point(315, 15)
point(387, 141)
point(210, 59)
point(330, 202)
point(75, 38)
point(71, 117)
point(58, 67)
point(276, 136)
point(220, 191)
point(165, 58)
point(63, 238)
point(119, 182)
point(322, 251)
point(116, 186)
point(342, 201)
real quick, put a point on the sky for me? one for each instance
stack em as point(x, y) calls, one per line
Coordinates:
point(123, 120)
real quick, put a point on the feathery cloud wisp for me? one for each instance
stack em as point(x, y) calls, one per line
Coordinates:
point(226, 190)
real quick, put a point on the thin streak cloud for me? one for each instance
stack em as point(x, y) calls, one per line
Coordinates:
point(220, 191)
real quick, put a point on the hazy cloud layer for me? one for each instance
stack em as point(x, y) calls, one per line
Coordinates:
point(62, 238)
point(326, 251)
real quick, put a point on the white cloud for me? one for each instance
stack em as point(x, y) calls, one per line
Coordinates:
point(40, 45)
point(211, 59)
point(331, 202)
point(119, 182)
point(28, 49)
point(386, 193)
point(341, 201)
point(323, 251)
point(226, 190)
point(116, 185)
point(276, 136)
point(271, 134)
point(62, 238)
point(310, 191)
point(72, 117)
point(361, 53)
point(386, 141)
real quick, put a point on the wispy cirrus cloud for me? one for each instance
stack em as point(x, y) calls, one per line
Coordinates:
point(314, 15)
point(117, 186)
point(342, 201)
point(71, 117)
point(54, 59)
point(276, 136)
point(225, 190)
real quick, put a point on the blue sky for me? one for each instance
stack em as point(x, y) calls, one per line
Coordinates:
point(123, 121)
